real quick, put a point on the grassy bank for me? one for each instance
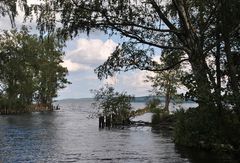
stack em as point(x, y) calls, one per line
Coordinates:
point(27, 109)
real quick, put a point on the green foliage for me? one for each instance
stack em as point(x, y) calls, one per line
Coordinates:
point(139, 112)
point(108, 102)
point(159, 114)
point(30, 70)
point(152, 104)
point(156, 117)
point(166, 83)
point(204, 34)
point(208, 128)
point(9, 8)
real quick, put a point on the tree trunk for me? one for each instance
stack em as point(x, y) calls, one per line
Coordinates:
point(203, 86)
point(167, 101)
point(232, 72)
point(197, 59)
point(218, 73)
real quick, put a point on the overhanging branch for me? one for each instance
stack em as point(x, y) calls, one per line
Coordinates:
point(156, 69)
point(130, 35)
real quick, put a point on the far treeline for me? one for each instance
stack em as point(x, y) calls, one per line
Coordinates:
point(201, 35)
point(30, 71)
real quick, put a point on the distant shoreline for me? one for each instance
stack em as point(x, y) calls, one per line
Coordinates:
point(140, 99)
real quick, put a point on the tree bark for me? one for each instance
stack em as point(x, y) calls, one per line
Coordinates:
point(167, 99)
point(203, 86)
point(218, 72)
point(232, 71)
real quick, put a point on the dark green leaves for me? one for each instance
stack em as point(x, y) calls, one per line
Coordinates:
point(109, 102)
point(30, 68)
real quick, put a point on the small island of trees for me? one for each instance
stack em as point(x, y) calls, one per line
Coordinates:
point(30, 71)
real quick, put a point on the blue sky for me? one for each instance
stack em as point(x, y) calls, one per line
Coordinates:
point(82, 55)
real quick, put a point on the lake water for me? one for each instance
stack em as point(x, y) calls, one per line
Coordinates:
point(68, 135)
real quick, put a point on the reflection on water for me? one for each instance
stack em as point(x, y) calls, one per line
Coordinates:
point(68, 135)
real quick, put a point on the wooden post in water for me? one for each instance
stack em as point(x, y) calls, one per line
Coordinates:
point(113, 119)
point(108, 121)
point(101, 121)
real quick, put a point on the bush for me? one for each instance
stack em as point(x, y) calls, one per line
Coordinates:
point(153, 104)
point(156, 117)
point(111, 103)
point(161, 116)
point(159, 113)
point(208, 128)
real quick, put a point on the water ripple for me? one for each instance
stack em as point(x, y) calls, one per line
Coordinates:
point(69, 136)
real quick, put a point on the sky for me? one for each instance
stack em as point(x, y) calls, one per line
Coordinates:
point(82, 55)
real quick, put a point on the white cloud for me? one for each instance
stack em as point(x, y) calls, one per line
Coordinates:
point(30, 2)
point(85, 55)
point(19, 20)
point(72, 66)
point(111, 81)
point(136, 79)
point(131, 82)
point(157, 59)
point(92, 51)
point(88, 54)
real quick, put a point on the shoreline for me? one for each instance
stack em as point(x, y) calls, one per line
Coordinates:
point(30, 109)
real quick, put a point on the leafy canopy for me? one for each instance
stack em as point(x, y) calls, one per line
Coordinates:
point(30, 70)
point(202, 33)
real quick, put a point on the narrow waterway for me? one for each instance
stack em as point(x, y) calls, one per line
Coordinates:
point(68, 135)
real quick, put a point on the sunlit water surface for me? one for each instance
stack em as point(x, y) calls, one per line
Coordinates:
point(68, 135)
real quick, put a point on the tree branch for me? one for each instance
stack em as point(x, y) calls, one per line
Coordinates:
point(162, 69)
point(162, 16)
point(130, 35)
point(145, 27)
point(168, 23)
